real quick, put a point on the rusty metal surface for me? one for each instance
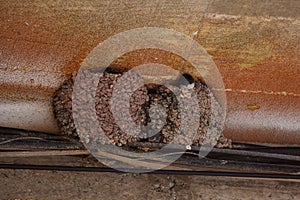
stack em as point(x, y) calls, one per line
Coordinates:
point(255, 46)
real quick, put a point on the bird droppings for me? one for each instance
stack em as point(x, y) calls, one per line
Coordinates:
point(140, 105)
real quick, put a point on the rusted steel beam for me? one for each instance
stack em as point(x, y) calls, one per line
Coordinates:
point(255, 46)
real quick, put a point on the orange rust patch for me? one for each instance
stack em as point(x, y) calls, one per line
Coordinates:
point(20, 92)
point(139, 57)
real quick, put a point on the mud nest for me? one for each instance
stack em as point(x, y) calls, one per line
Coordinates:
point(141, 102)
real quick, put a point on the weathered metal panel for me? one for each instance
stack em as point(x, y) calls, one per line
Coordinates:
point(255, 45)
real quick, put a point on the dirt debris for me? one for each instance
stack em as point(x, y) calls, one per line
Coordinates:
point(34, 184)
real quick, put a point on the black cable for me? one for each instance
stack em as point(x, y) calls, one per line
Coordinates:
point(164, 172)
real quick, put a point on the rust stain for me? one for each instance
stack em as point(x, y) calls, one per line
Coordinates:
point(144, 56)
point(246, 42)
point(20, 92)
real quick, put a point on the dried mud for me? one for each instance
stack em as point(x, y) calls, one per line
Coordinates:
point(140, 105)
